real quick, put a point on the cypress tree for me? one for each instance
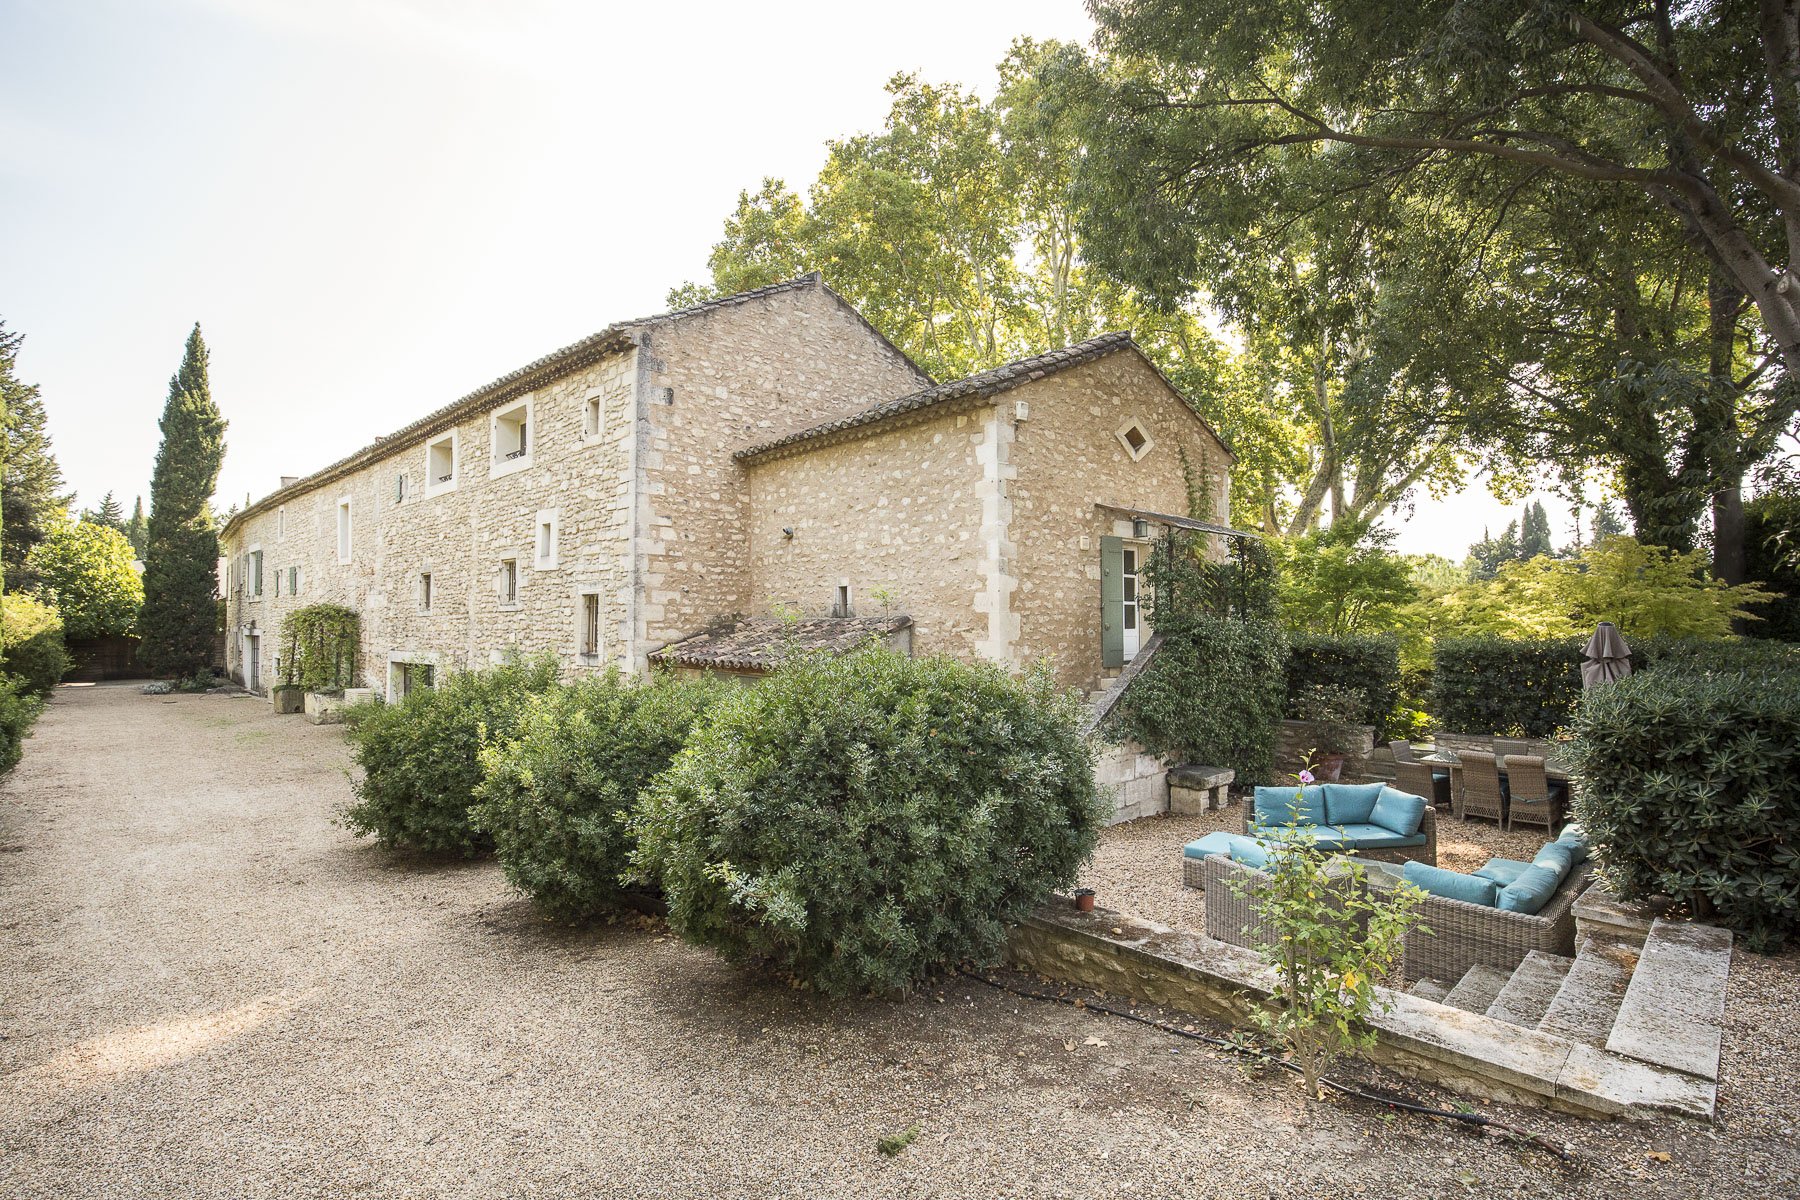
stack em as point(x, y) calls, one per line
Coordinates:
point(180, 613)
point(31, 498)
point(1534, 537)
point(137, 532)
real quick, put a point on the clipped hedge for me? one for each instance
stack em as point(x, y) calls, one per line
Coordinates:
point(19, 709)
point(1688, 782)
point(1214, 693)
point(421, 758)
point(556, 794)
point(31, 643)
point(1512, 688)
point(1369, 665)
point(861, 821)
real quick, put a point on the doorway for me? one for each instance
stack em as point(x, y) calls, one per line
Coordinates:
point(1133, 622)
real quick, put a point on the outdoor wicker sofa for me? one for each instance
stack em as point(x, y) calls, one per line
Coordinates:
point(1462, 934)
point(1355, 836)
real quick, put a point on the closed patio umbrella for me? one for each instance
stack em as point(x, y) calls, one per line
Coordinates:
point(1605, 658)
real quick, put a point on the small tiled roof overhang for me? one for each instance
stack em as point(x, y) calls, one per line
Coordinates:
point(760, 643)
point(974, 387)
point(1178, 522)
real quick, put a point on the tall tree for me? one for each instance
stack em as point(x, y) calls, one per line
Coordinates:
point(1487, 556)
point(1535, 539)
point(31, 497)
point(137, 530)
point(180, 611)
point(85, 570)
point(1607, 522)
point(108, 514)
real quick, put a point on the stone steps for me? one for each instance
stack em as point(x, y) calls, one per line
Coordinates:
point(1586, 1004)
point(1527, 995)
point(1675, 1003)
point(1478, 987)
point(1430, 989)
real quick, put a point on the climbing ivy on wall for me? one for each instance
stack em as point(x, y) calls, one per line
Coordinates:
point(318, 647)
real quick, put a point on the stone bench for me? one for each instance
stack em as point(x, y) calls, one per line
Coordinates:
point(1198, 789)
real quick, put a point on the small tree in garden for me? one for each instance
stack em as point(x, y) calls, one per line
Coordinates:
point(858, 822)
point(318, 647)
point(1335, 941)
point(556, 796)
point(85, 570)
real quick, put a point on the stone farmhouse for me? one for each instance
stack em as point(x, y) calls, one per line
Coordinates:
point(657, 492)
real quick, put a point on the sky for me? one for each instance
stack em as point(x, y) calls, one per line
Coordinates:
point(375, 206)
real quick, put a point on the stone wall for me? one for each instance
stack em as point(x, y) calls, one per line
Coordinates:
point(715, 383)
point(1137, 782)
point(1064, 458)
point(1295, 739)
point(896, 512)
point(460, 533)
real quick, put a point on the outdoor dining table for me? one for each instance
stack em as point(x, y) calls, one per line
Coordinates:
point(1555, 770)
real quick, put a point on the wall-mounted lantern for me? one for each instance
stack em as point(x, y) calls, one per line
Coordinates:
point(1140, 528)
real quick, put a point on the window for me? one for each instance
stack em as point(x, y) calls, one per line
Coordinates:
point(256, 576)
point(293, 581)
point(511, 438)
point(440, 464)
point(842, 607)
point(278, 591)
point(425, 591)
point(592, 417)
point(546, 539)
point(590, 625)
point(281, 522)
point(509, 581)
point(400, 488)
point(343, 530)
point(1135, 438)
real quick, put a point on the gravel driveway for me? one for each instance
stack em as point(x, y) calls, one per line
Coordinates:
point(207, 989)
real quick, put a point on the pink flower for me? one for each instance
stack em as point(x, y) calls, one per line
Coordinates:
point(1306, 776)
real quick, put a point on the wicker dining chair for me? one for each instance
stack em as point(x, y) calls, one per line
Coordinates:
point(1509, 746)
point(1528, 789)
point(1478, 786)
point(1403, 753)
point(1419, 779)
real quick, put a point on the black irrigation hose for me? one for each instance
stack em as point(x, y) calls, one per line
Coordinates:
point(1424, 1110)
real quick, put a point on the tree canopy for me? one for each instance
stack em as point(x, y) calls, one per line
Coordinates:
point(84, 570)
point(31, 497)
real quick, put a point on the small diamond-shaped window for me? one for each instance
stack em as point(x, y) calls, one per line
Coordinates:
point(1135, 438)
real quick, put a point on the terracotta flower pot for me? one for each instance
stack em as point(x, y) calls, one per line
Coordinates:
point(1084, 899)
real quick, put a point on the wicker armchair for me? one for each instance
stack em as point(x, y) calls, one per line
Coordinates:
point(1403, 751)
point(1478, 792)
point(1529, 799)
point(1231, 890)
point(1506, 746)
point(1421, 779)
point(1463, 935)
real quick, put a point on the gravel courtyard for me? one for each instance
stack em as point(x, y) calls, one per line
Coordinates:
point(208, 989)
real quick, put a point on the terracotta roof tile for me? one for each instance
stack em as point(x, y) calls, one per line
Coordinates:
point(760, 643)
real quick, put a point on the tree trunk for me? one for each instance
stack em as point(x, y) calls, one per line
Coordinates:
point(1729, 560)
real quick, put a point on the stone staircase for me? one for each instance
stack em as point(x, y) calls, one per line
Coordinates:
point(1660, 1001)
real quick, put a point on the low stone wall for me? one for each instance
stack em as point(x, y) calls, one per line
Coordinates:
point(1294, 738)
point(1467, 1052)
point(1137, 781)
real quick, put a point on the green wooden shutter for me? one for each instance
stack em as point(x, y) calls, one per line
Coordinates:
point(1112, 602)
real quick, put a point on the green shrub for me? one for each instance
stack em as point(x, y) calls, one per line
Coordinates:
point(1498, 685)
point(18, 710)
point(1772, 558)
point(1688, 783)
point(860, 821)
point(1368, 664)
point(31, 643)
point(556, 794)
point(318, 647)
point(421, 758)
point(1213, 694)
point(85, 571)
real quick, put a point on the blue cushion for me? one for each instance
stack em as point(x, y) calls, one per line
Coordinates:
point(1575, 838)
point(1280, 806)
point(1398, 811)
point(1452, 885)
point(1557, 857)
point(1530, 891)
point(1250, 852)
point(1503, 870)
point(1375, 837)
point(1350, 803)
point(1325, 837)
point(1212, 843)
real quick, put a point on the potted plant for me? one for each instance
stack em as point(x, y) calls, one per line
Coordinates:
point(1331, 711)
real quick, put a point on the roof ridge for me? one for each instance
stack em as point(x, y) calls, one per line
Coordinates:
point(991, 381)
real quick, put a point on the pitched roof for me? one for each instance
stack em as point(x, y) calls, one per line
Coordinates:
point(986, 383)
point(614, 337)
point(760, 643)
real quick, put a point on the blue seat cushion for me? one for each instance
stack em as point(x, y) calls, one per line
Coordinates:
point(1398, 811)
point(1575, 838)
point(1451, 885)
point(1249, 852)
point(1325, 837)
point(1285, 805)
point(1503, 870)
point(1350, 803)
point(1530, 891)
point(1376, 837)
point(1212, 843)
point(1557, 857)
